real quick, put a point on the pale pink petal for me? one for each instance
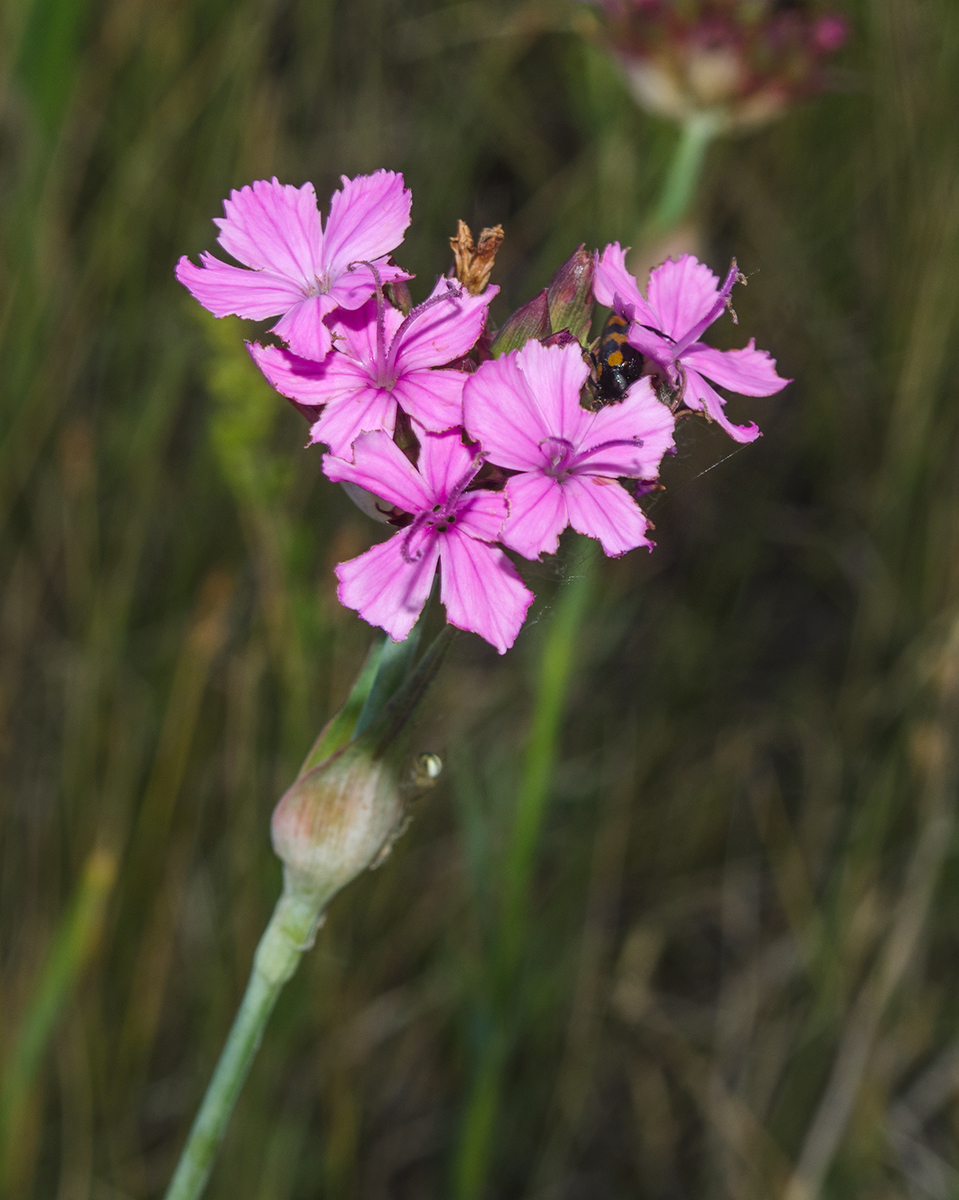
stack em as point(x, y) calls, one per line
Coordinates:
point(385, 588)
point(482, 591)
point(434, 398)
point(658, 349)
point(380, 466)
point(346, 417)
point(698, 394)
point(304, 329)
point(357, 329)
point(749, 371)
point(274, 226)
point(447, 329)
point(352, 288)
point(445, 463)
point(304, 379)
point(607, 449)
point(481, 514)
point(555, 376)
point(601, 508)
point(614, 287)
point(681, 292)
point(500, 411)
point(234, 291)
point(537, 514)
point(368, 218)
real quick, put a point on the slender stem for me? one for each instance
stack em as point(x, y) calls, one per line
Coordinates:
point(696, 133)
point(549, 704)
point(555, 669)
point(75, 940)
point(289, 934)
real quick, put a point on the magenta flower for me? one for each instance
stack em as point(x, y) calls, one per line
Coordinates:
point(300, 271)
point(684, 299)
point(386, 362)
point(389, 584)
point(525, 409)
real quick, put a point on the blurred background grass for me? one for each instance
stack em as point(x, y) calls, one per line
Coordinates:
point(741, 975)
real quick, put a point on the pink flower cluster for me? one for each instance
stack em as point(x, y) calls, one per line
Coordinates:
point(467, 454)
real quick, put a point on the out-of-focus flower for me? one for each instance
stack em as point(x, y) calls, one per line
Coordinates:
point(300, 271)
point(740, 61)
point(525, 408)
point(389, 584)
point(683, 299)
point(386, 361)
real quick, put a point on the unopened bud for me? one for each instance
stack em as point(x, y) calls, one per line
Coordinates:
point(530, 321)
point(337, 819)
point(570, 295)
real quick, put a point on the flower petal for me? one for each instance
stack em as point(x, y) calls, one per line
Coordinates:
point(537, 514)
point(304, 329)
point(433, 336)
point(353, 288)
point(614, 287)
point(434, 398)
point(306, 380)
point(445, 463)
point(347, 416)
point(481, 514)
point(385, 588)
point(357, 328)
point(499, 409)
point(368, 218)
point(681, 292)
point(234, 291)
point(629, 438)
point(601, 508)
point(749, 371)
point(555, 376)
point(699, 395)
point(482, 590)
point(380, 466)
point(274, 226)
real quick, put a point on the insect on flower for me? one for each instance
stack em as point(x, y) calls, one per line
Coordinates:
point(616, 364)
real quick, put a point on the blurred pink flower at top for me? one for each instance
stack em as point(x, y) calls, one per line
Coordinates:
point(449, 526)
point(683, 299)
point(525, 409)
point(742, 62)
point(299, 271)
point(386, 362)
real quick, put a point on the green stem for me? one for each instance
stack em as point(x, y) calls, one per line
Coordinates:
point(289, 934)
point(696, 133)
point(72, 946)
point(555, 669)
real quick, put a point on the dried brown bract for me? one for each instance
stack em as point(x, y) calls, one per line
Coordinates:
point(474, 261)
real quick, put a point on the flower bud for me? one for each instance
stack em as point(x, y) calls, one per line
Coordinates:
point(530, 321)
point(741, 61)
point(338, 819)
point(570, 295)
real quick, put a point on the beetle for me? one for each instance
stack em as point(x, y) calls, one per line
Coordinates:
point(616, 364)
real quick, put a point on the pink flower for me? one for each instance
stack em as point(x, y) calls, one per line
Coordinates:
point(302, 272)
point(389, 584)
point(387, 362)
point(684, 300)
point(525, 410)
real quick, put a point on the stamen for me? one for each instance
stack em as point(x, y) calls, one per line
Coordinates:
point(380, 316)
point(453, 292)
point(722, 303)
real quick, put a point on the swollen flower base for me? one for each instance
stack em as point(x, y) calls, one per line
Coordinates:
point(470, 442)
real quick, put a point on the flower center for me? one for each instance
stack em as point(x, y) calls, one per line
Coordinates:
point(320, 285)
point(558, 452)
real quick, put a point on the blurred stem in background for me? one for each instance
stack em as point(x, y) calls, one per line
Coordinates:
point(342, 813)
point(73, 945)
point(553, 675)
